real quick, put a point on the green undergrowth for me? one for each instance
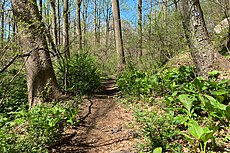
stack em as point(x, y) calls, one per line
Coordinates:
point(13, 90)
point(37, 129)
point(178, 111)
point(79, 75)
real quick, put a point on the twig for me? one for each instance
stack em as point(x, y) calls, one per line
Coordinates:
point(13, 59)
point(91, 104)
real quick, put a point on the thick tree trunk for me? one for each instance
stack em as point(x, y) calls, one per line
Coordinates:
point(41, 80)
point(118, 35)
point(204, 55)
point(66, 29)
point(78, 24)
point(139, 54)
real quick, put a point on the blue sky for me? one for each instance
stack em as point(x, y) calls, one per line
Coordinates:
point(128, 10)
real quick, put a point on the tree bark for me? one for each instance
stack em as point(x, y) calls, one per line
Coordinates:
point(107, 23)
point(40, 6)
point(41, 80)
point(54, 22)
point(139, 54)
point(66, 29)
point(205, 56)
point(2, 23)
point(118, 35)
point(95, 23)
point(85, 18)
point(78, 24)
point(59, 24)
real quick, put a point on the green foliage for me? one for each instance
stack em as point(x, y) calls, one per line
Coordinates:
point(13, 90)
point(158, 129)
point(81, 73)
point(142, 83)
point(37, 129)
point(199, 106)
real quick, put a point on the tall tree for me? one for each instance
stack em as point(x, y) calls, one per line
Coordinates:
point(78, 24)
point(139, 54)
point(59, 23)
point(205, 56)
point(118, 35)
point(85, 18)
point(66, 28)
point(40, 7)
point(107, 15)
point(39, 69)
point(95, 23)
point(54, 22)
point(2, 22)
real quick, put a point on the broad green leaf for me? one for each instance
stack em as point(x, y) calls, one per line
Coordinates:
point(215, 103)
point(208, 134)
point(219, 92)
point(195, 130)
point(180, 119)
point(157, 150)
point(187, 101)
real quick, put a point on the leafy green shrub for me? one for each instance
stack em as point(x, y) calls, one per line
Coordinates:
point(13, 92)
point(200, 106)
point(142, 83)
point(159, 130)
point(37, 129)
point(134, 82)
point(82, 74)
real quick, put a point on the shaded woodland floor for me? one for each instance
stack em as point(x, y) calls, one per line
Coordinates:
point(105, 129)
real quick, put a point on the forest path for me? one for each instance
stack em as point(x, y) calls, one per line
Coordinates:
point(105, 130)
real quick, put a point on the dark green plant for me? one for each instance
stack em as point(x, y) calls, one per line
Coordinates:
point(159, 129)
point(82, 74)
point(37, 129)
point(13, 91)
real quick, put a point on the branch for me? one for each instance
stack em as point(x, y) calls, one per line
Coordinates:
point(13, 59)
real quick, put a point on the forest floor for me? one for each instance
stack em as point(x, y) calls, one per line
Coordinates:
point(106, 129)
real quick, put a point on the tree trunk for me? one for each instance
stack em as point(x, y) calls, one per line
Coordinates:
point(2, 23)
point(59, 24)
point(118, 35)
point(107, 21)
point(95, 22)
point(41, 80)
point(85, 18)
point(205, 56)
point(66, 29)
point(176, 5)
point(40, 6)
point(139, 53)
point(54, 22)
point(78, 24)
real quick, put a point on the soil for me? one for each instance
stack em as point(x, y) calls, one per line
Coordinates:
point(105, 128)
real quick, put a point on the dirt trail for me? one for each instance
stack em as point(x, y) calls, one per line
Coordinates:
point(106, 129)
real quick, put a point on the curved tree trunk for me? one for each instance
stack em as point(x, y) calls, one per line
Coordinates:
point(205, 56)
point(41, 80)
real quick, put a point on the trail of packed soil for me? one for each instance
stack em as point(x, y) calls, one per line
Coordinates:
point(105, 130)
